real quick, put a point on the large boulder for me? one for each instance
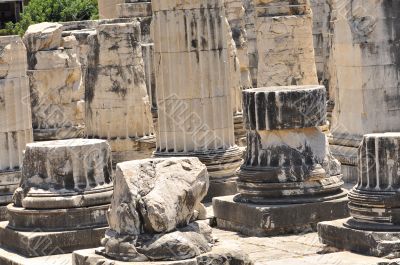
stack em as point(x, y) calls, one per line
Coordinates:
point(154, 205)
point(43, 36)
point(164, 193)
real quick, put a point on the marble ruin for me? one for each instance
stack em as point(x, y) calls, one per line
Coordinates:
point(63, 198)
point(115, 87)
point(166, 130)
point(57, 103)
point(146, 225)
point(15, 116)
point(285, 44)
point(366, 62)
point(288, 171)
point(196, 121)
point(374, 226)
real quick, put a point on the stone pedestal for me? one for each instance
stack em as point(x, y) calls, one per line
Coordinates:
point(15, 116)
point(194, 96)
point(374, 226)
point(153, 215)
point(57, 103)
point(285, 44)
point(63, 197)
point(288, 164)
point(117, 104)
point(365, 41)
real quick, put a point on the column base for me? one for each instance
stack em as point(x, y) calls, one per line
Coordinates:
point(219, 255)
point(267, 220)
point(36, 243)
point(373, 243)
point(132, 149)
point(222, 166)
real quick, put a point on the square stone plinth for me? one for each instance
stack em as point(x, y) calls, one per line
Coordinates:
point(373, 243)
point(37, 243)
point(225, 254)
point(267, 220)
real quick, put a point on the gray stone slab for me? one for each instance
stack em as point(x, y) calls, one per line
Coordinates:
point(379, 244)
point(37, 243)
point(266, 220)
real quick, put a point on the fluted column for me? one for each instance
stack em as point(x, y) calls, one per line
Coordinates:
point(15, 114)
point(285, 44)
point(194, 97)
point(288, 157)
point(374, 200)
point(118, 107)
point(366, 64)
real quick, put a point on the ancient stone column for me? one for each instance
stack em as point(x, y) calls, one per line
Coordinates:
point(250, 26)
point(288, 163)
point(15, 116)
point(57, 103)
point(153, 217)
point(285, 44)
point(63, 198)
point(374, 226)
point(142, 11)
point(117, 104)
point(239, 64)
point(194, 96)
point(366, 59)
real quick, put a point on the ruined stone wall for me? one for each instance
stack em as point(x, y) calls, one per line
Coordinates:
point(250, 22)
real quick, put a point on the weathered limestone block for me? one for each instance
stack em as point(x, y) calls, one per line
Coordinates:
point(66, 186)
point(134, 8)
point(289, 176)
point(195, 120)
point(15, 115)
point(374, 226)
point(152, 198)
point(56, 102)
point(117, 104)
point(108, 8)
point(165, 192)
point(366, 63)
point(43, 36)
point(285, 44)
